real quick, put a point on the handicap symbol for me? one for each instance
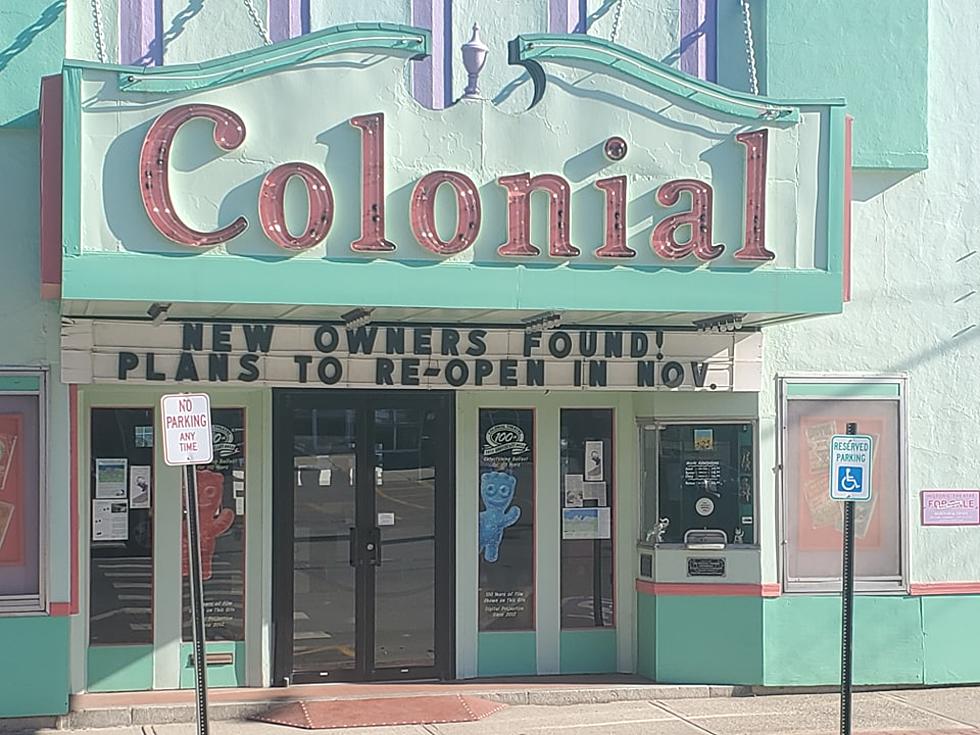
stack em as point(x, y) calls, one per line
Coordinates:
point(849, 479)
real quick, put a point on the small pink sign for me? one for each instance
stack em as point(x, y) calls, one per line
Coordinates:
point(950, 507)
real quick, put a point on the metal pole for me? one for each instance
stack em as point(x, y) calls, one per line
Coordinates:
point(197, 595)
point(847, 611)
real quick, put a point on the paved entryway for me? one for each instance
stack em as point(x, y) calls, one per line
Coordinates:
point(917, 712)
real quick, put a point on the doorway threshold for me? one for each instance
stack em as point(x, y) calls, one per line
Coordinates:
point(119, 709)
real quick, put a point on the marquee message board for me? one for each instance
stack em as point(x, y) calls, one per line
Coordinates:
point(105, 351)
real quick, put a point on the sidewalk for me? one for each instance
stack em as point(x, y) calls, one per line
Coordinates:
point(918, 712)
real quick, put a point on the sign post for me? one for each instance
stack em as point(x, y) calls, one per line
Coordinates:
point(850, 481)
point(187, 442)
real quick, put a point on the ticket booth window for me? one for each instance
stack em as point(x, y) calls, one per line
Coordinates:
point(699, 482)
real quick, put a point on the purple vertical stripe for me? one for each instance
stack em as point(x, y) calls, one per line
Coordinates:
point(699, 26)
point(288, 19)
point(141, 32)
point(566, 16)
point(432, 77)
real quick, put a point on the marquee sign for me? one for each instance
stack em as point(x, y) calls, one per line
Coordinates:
point(416, 356)
point(630, 188)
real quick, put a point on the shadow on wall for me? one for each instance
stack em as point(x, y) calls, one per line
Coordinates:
point(160, 43)
point(870, 183)
point(27, 36)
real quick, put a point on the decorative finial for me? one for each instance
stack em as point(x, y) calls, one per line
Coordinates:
point(474, 59)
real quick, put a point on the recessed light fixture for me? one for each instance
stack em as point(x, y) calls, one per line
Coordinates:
point(541, 322)
point(357, 317)
point(723, 323)
point(158, 312)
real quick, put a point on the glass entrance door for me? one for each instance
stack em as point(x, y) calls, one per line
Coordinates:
point(363, 536)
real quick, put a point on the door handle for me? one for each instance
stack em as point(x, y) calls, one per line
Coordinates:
point(354, 546)
point(373, 547)
point(365, 548)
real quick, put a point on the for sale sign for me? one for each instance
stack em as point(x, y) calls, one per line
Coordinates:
point(186, 429)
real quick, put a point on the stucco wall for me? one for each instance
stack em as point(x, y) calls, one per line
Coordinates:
point(915, 268)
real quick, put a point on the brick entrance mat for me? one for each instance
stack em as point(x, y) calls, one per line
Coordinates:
point(389, 711)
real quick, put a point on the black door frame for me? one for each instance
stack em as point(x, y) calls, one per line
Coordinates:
point(363, 402)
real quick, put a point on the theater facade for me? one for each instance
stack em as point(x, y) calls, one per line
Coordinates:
point(486, 384)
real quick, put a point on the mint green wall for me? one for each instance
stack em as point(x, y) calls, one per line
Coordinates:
point(34, 673)
point(119, 668)
point(32, 43)
point(39, 684)
point(914, 311)
point(874, 53)
point(646, 635)
point(506, 654)
point(951, 653)
point(794, 640)
point(709, 640)
point(224, 675)
point(802, 635)
point(588, 651)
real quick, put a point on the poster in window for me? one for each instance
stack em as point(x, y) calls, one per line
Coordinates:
point(506, 522)
point(221, 505)
point(11, 492)
point(110, 478)
point(139, 486)
point(822, 519)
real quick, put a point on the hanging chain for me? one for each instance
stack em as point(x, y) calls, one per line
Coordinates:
point(750, 47)
point(619, 13)
point(99, 31)
point(257, 22)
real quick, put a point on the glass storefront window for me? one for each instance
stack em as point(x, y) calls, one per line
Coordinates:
point(20, 501)
point(587, 494)
point(221, 499)
point(812, 522)
point(698, 477)
point(506, 484)
point(121, 527)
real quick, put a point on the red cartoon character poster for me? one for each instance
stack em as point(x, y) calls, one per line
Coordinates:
point(214, 520)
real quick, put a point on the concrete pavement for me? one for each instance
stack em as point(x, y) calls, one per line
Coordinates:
point(923, 711)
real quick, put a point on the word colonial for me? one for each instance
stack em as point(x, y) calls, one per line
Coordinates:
point(675, 237)
point(410, 356)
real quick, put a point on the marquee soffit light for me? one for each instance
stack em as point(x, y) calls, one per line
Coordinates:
point(723, 323)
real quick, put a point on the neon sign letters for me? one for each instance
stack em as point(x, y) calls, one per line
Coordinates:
point(229, 133)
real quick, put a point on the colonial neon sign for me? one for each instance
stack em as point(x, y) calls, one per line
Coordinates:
point(229, 134)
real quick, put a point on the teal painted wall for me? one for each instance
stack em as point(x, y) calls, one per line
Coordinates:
point(506, 654)
point(709, 640)
point(32, 43)
point(875, 53)
point(646, 635)
point(34, 672)
point(951, 648)
point(225, 675)
point(794, 640)
point(802, 636)
point(588, 651)
point(120, 668)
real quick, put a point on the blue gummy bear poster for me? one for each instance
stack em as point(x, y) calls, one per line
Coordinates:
point(506, 530)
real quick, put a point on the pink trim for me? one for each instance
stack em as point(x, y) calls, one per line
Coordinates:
point(704, 589)
point(944, 588)
point(73, 494)
point(51, 172)
point(848, 196)
point(60, 609)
